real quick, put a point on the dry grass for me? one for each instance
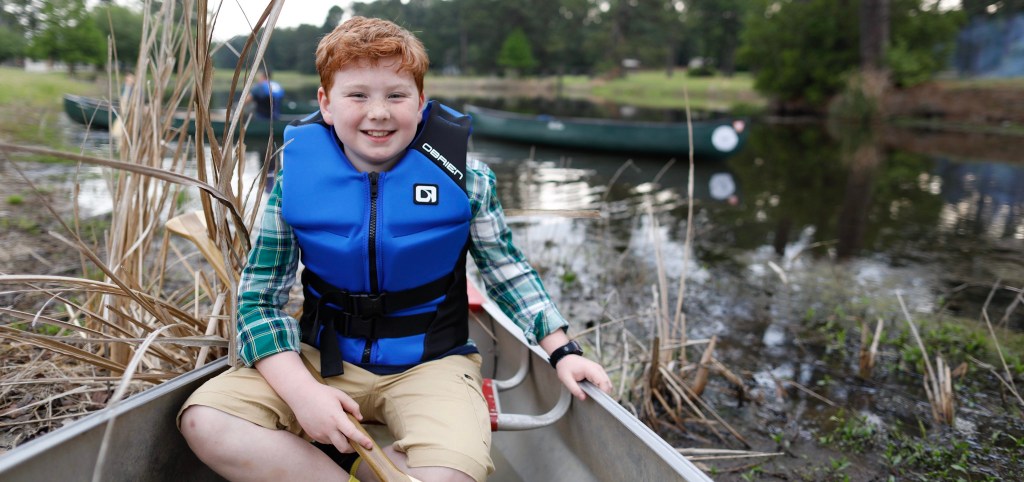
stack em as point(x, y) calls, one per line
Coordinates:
point(938, 382)
point(142, 310)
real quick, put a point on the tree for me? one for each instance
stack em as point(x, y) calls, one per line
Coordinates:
point(715, 27)
point(515, 53)
point(12, 44)
point(923, 40)
point(334, 16)
point(123, 26)
point(67, 33)
point(802, 51)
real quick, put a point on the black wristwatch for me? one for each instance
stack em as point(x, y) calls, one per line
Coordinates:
point(571, 348)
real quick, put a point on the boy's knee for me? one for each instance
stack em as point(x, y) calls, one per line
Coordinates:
point(200, 424)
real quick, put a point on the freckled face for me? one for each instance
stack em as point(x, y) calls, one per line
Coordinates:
point(374, 109)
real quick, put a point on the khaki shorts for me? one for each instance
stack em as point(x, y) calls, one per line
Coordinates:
point(436, 410)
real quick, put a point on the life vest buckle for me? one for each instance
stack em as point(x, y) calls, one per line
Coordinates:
point(366, 305)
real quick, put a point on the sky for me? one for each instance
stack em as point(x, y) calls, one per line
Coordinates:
point(232, 22)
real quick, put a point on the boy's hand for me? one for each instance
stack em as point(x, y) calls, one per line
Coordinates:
point(319, 409)
point(573, 369)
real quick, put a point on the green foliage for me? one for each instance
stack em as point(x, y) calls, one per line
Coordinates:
point(515, 52)
point(12, 43)
point(714, 26)
point(803, 51)
point(15, 199)
point(945, 461)
point(68, 34)
point(20, 223)
point(702, 71)
point(122, 26)
point(569, 276)
point(800, 51)
point(922, 42)
point(851, 432)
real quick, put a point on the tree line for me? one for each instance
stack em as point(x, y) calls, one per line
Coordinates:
point(796, 49)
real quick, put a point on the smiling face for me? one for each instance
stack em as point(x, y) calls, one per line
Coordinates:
point(374, 110)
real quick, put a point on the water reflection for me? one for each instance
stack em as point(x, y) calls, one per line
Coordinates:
point(93, 192)
point(981, 199)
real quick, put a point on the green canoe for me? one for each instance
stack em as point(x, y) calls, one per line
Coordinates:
point(89, 111)
point(97, 114)
point(712, 138)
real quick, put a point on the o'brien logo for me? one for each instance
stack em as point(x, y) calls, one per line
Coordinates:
point(424, 194)
point(444, 162)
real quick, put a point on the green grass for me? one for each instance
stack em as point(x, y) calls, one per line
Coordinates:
point(642, 89)
point(655, 89)
point(30, 104)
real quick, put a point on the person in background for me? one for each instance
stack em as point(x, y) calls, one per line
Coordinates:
point(379, 200)
point(267, 96)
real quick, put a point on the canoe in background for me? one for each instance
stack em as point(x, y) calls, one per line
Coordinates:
point(89, 111)
point(596, 440)
point(712, 138)
point(97, 113)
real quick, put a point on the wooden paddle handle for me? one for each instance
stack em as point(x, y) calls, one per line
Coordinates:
point(380, 464)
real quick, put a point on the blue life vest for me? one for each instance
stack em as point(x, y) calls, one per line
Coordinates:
point(268, 95)
point(384, 253)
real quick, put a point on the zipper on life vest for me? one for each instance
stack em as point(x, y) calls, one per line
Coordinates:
point(374, 285)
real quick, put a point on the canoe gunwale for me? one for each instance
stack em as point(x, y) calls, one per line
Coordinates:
point(606, 406)
point(617, 123)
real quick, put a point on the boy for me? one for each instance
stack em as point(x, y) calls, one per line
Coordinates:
point(377, 197)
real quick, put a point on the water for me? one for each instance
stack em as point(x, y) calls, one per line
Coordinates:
point(802, 232)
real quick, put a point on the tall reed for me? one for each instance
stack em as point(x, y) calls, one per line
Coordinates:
point(155, 311)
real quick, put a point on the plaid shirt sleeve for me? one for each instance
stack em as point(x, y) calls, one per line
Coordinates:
point(510, 281)
point(264, 328)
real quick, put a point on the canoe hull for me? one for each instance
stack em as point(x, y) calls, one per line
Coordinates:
point(145, 442)
point(711, 138)
point(91, 112)
point(596, 440)
point(97, 114)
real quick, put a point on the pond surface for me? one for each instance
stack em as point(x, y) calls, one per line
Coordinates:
point(796, 240)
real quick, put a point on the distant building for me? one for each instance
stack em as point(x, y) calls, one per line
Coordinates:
point(43, 66)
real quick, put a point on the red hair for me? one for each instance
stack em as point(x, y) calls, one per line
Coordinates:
point(370, 39)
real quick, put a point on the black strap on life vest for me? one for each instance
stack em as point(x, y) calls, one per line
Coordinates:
point(443, 139)
point(361, 315)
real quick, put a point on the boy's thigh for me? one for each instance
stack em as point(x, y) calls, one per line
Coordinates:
point(438, 415)
point(244, 393)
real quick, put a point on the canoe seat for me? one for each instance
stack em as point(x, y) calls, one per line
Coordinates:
point(491, 387)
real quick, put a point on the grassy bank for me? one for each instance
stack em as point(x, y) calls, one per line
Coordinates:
point(31, 105)
point(655, 89)
point(642, 89)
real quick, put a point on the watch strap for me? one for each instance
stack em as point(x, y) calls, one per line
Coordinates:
point(571, 348)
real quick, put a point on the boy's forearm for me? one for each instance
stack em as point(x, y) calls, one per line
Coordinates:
point(286, 374)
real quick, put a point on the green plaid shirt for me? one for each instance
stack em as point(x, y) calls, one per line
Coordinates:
point(265, 329)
